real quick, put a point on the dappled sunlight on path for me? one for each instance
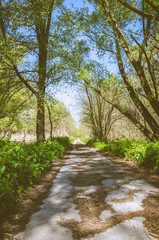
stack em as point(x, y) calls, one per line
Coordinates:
point(92, 198)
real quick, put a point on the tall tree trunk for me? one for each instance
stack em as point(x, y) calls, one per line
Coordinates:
point(40, 129)
point(138, 103)
point(42, 33)
point(40, 120)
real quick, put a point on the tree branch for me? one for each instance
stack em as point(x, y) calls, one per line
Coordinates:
point(152, 5)
point(135, 10)
point(24, 81)
point(49, 19)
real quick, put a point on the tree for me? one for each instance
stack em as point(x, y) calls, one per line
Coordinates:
point(57, 112)
point(98, 115)
point(128, 110)
point(25, 35)
point(16, 116)
point(108, 28)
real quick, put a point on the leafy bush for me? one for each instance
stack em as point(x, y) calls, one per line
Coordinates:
point(22, 164)
point(100, 145)
point(64, 141)
point(85, 140)
point(120, 147)
point(144, 153)
point(137, 152)
point(151, 159)
point(91, 142)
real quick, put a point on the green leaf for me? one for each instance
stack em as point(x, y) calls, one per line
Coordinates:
point(2, 169)
point(15, 164)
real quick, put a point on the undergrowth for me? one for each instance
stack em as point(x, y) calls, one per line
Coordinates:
point(22, 165)
point(143, 152)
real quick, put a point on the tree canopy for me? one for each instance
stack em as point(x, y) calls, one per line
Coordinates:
point(44, 42)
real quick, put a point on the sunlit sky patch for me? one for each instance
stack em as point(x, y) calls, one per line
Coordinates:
point(69, 96)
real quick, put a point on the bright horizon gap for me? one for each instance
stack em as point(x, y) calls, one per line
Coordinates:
point(69, 99)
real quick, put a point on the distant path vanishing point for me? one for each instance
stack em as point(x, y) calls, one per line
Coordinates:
point(94, 198)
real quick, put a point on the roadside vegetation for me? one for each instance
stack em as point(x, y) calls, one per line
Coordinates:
point(143, 152)
point(22, 165)
point(108, 50)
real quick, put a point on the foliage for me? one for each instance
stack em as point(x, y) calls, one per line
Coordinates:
point(97, 114)
point(59, 120)
point(144, 153)
point(19, 113)
point(22, 164)
point(26, 40)
point(64, 141)
point(97, 144)
point(127, 36)
point(88, 141)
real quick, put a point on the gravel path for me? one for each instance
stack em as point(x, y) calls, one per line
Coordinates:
point(92, 198)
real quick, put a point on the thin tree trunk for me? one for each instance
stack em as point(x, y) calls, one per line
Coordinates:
point(146, 132)
point(51, 123)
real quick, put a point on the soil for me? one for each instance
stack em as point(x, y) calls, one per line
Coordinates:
point(89, 208)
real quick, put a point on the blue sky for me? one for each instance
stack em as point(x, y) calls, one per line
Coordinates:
point(69, 96)
point(76, 3)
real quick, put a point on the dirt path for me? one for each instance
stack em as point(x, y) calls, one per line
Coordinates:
point(96, 198)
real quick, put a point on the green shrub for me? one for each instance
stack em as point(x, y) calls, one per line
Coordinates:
point(90, 142)
point(85, 140)
point(100, 145)
point(151, 159)
point(116, 147)
point(137, 152)
point(22, 164)
point(119, 147)
point(144, 153)
point(64, 141)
